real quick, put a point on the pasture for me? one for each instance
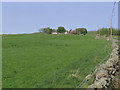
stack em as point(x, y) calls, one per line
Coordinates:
point(50, 61)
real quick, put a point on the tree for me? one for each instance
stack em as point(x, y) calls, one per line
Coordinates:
point(106, 31)
point(78, 31)
point(61, 30)
point(81, 31)
point(46, 30)
point(70, 30)
point(84, 31)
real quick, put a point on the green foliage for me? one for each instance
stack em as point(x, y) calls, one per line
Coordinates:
point(78, 31)
point(107, 31)
point(48, 61)
point(115, 32)
point(61, 30)
point(46, 30)
point(54, 30)
point(81, 31)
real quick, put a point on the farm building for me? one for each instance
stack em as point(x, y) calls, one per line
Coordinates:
point(72, 32)
point(54, 32)
point(59, 33)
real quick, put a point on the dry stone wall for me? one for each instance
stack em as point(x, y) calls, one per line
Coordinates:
point(105, 74)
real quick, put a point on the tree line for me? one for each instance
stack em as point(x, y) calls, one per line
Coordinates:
point(107, 31)
point(61, 29)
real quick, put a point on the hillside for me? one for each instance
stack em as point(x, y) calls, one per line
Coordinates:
point(50, 61)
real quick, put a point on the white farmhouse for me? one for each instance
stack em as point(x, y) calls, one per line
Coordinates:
point(54, 32)
point(59, 33)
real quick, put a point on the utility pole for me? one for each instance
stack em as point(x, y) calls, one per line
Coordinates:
point(111, 18)
point(111, 29)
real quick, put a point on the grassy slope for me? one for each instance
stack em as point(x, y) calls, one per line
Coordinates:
point(49, 60)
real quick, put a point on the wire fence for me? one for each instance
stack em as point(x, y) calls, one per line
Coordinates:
point(91, 73)
point(85, 81)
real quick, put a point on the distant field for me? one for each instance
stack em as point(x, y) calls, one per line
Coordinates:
point(91, 33)
point(50, 61)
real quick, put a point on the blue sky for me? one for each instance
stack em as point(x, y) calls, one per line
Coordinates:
point(27, 17)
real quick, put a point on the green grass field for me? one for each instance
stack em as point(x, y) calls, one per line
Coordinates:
point(50, 61)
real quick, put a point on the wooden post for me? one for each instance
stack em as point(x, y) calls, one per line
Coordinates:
point(111, 18)
point(99, 33)
point(111, 29)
